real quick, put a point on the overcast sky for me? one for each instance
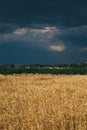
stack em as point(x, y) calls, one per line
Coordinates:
point(43, 31)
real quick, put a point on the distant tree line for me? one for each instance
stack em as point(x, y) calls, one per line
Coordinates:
point(44, 69)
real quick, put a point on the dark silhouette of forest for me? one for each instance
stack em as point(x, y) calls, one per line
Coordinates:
point(44, 69)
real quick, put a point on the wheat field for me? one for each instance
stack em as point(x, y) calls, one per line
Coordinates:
point(43, 102)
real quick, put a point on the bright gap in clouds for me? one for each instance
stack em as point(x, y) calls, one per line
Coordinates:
point(27, 34)
point(39, 37)
point(20, 31)
point(59, 47)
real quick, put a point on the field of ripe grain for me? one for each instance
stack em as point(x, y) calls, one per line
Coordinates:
point(43, 102)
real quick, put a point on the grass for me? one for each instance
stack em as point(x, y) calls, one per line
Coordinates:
point(43, 102)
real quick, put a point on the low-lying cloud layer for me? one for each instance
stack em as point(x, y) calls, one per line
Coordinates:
point(48, 35)
point(42, 37)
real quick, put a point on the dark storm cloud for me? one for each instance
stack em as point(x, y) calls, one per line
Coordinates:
point(42, 31)
point(74, 36)
point(63, 13)
point(5, 28)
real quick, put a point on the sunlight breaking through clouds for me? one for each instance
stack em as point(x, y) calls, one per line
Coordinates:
point(20, 31)
point(58, 47)
point(40, 35)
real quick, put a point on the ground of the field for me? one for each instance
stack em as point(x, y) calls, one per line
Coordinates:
point(43, 102)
